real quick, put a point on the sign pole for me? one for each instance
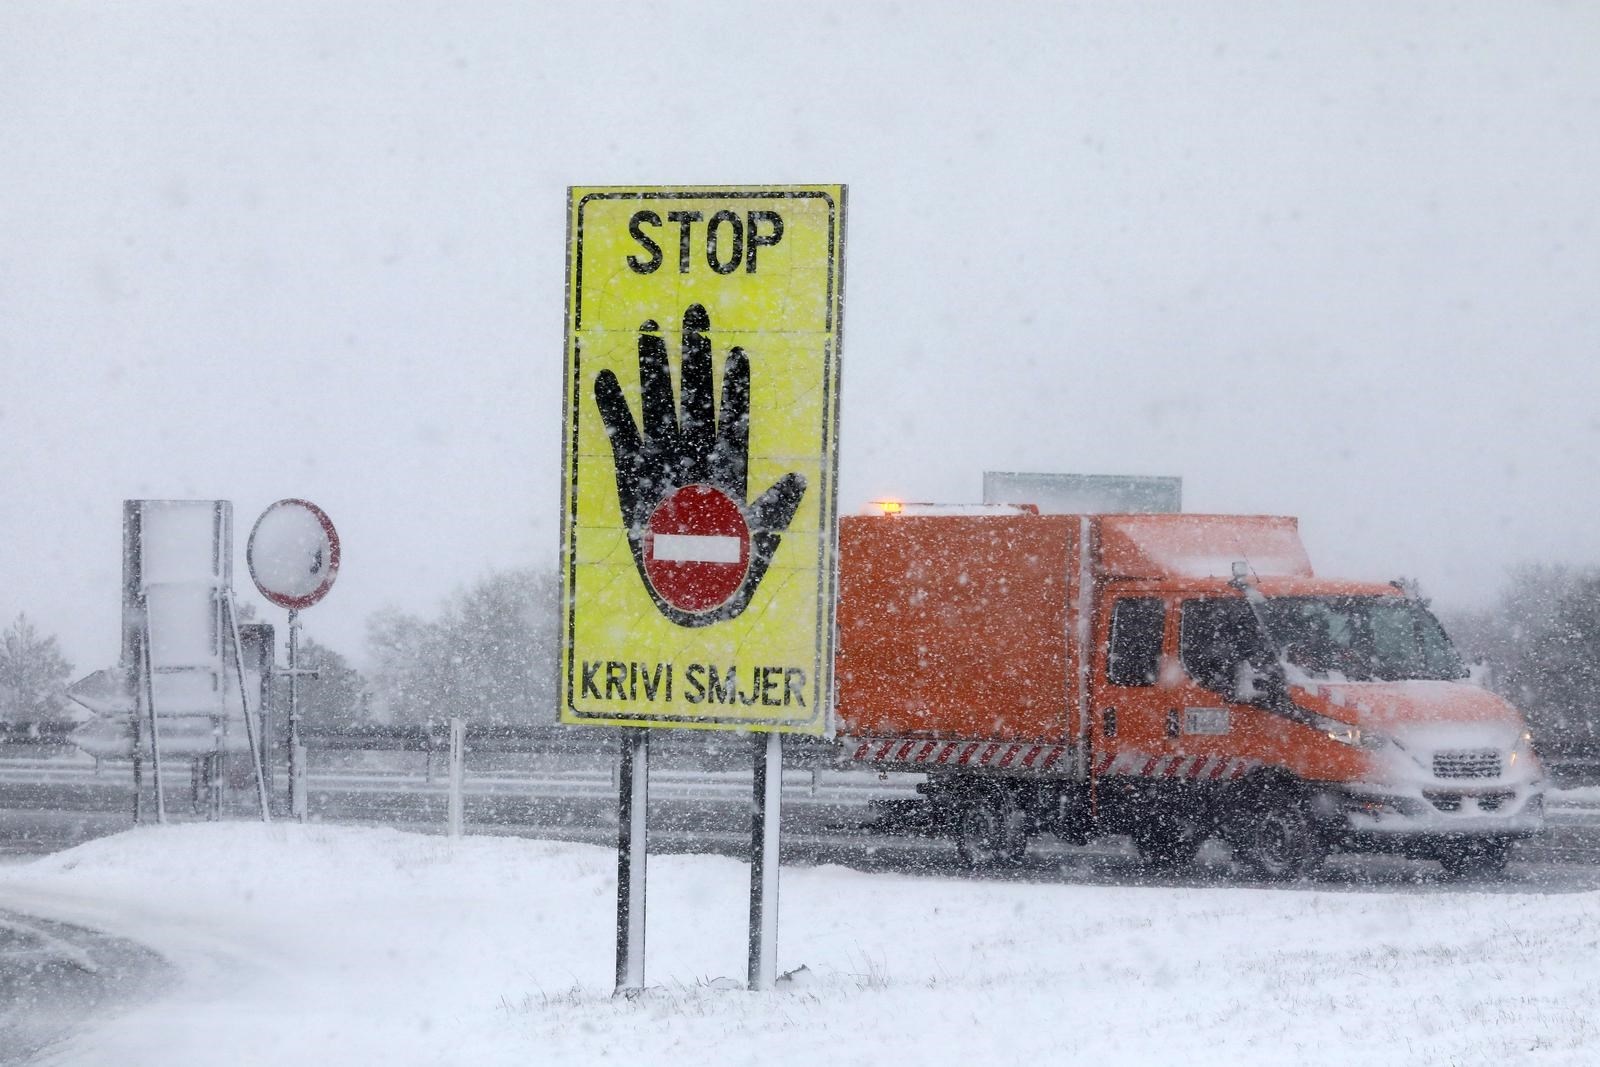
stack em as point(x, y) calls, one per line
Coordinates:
point(256, 747)
point(697, 542)
point(767, 798)
point(147, 691)
point(133, 641)
point(266, 660)
point(297, 763)
point(293, 555)
point(632, 801)
point(138, 773)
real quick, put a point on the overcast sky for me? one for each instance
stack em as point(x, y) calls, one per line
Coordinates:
point(1339, 261)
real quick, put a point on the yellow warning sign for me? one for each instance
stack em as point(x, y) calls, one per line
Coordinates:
point(700, 455)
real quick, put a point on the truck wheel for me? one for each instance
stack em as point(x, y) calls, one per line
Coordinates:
point(1278, 841)
point(991, 832)
point(1483, 858)
point(1167, 841)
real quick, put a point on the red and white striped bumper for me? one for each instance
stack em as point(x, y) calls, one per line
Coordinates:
point(1192, 768)
point(920, 754)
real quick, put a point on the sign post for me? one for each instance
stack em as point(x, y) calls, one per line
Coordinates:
point(293, 556)
point(177, 586)
point(632, 801)
point(297, 752)
point(700, 452)
point(180, 640)
point(764, 862)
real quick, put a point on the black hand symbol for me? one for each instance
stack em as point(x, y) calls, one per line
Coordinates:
point(692, 451)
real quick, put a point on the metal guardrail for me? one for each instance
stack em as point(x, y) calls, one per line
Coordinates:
point(36, 733)
point(1572, 764)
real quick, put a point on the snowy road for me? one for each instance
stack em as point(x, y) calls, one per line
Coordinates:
point(47, 805)
point(53, 976)
point(406, 949)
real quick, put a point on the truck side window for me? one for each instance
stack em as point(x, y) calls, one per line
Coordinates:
point(1136, 625)
point(1216, 635)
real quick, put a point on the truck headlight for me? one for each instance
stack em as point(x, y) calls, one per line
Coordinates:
point(1522, 750)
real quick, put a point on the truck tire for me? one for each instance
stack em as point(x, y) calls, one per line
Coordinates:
point(1168, 840)
point(1476, 858)
point(1276, 839)
point(991, 831)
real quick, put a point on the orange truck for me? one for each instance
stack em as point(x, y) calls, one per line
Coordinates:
point(1171, 677)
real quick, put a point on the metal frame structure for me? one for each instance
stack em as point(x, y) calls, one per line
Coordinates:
point(155, 673)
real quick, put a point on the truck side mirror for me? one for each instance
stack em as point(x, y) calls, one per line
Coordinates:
point(1258, 684)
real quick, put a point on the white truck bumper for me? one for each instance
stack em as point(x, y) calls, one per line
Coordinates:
point(1454, 810)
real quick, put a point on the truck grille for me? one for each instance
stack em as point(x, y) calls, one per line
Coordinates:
point(1447, 801)
point(1471, 763)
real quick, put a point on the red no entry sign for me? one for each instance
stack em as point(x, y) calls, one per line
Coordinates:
point(293, 554)
point(697, 548)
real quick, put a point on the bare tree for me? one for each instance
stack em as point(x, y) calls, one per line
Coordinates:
point(1541, 643)
point(406, 653)
point(336, 699)
point(33, 676)
point(489, 657)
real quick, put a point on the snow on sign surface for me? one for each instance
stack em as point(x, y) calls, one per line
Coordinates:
point(345, 946)
point(700, 452)
point(294, 554)
point(177, 541)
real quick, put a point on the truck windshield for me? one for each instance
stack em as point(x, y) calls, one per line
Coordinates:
point(1362, 638)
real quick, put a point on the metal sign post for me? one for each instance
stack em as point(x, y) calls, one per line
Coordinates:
point(258, 649)
point(147, 697)
point(133, 641)
point(176, 569)
point(700, 454)
point(180, 640)
point(632, 800)
point(298, 804)
point(297, 756)
point(257, 749)
point(767, 798)
point(294, 557)
point(175, 577)
point(138, 772)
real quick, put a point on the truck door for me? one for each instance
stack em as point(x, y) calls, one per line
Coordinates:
point(1166, 707)
point(1130, 705)
point(1218, 732)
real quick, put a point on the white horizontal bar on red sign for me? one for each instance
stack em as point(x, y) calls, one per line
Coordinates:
point(695, 548)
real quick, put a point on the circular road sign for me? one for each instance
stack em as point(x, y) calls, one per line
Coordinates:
point(293, 554)
point(697, 548)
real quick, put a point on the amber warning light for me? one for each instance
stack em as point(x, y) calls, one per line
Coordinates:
point(901, 507)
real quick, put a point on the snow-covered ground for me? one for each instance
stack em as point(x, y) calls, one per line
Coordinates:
point(358, 946)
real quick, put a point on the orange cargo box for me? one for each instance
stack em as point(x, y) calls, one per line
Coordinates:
point(958, 627)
